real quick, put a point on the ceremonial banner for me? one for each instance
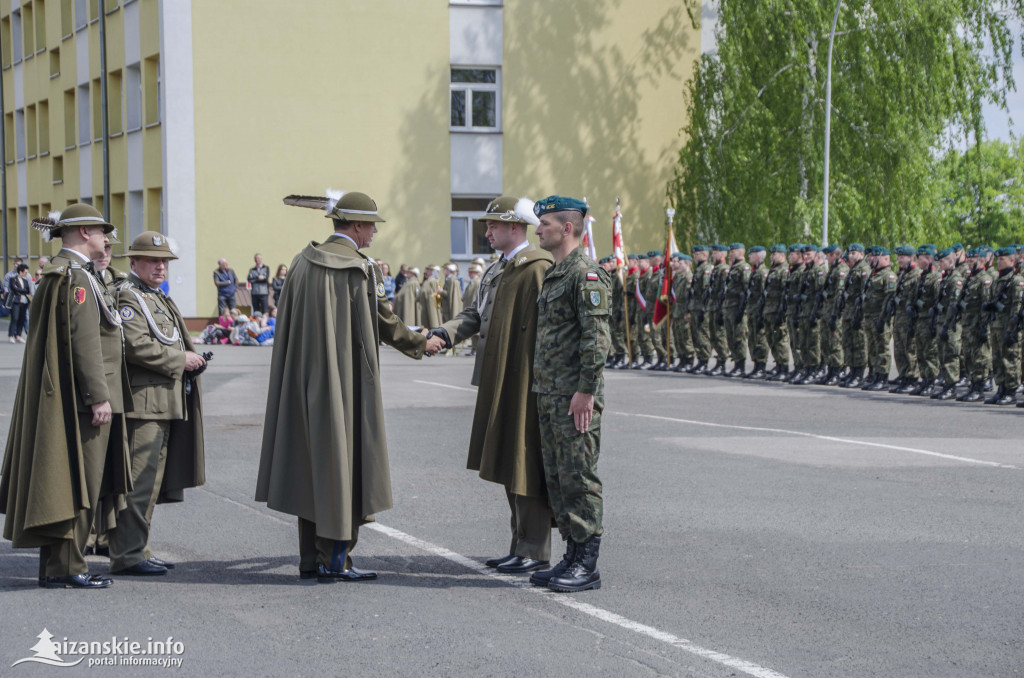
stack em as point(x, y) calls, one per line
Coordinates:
point(666, 293)
point(588, 237)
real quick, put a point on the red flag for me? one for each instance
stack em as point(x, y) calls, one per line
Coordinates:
point(666, 292)
point(617, 247)
point(588, 238)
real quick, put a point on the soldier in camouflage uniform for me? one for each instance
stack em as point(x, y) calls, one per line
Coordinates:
point(652, 291)
point(682, 318)
point(964, 267)
point(644, 338)
point(855, 340)
point(976, 347)
point(1007, 312)
point(697, 306)
point(793, 283)
point(634, 312)
point(812, 296)
point(618, 320)
point(923, 299)
point(879, 300)
point(757, 333)
point(946, 319)
point(734, 304)
point(716, 326)
point(572, 311)
point(776, 285)
point(831, 314)
point(904, 350)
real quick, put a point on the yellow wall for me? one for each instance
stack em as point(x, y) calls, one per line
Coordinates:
point(348, 94)
point(593, 105)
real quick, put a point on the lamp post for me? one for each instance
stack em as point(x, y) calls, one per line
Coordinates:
point(828, 123)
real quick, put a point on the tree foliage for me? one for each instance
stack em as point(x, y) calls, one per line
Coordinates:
point(908, 83)
point(983, 194)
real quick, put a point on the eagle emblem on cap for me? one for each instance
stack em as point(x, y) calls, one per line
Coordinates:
point(158, 241)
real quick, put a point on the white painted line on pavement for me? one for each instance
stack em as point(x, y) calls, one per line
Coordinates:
point(591, 610)
point(437, 383)
point(849, 441)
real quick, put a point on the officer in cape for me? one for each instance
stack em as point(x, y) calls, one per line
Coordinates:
point(165, 426)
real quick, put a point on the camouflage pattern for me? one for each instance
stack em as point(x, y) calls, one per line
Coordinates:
point(734, 304)
point(812, 296)
point(831, 332)
point(573, 310)
point(682, 318)
point(635, 312)
point(1007, 300)
point(947, 321)
point(926, 345)
point(716, 326)
point(855, 338)
point(775, 286)
point(976, 349)
point(643, 325)
point(879, 292)
point(904, 349)
point(699, 310)
point(793, 284)
point(757, 331)
point(618, 320)
point(651, 292)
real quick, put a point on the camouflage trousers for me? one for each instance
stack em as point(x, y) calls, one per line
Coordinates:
point(904, 349)
point(778, 338)
point(949, 356)
point(570, 467)
point(643, 346)
point(618, 327)
point(793, 323)
point(810, 341)
point(1006, 359)
point(701, 336)
point(757, 340)
point(855, 344)
point(736, 336)
point(719, 339)
point(657, 335)
point(682, 338)
point(926, 347)
point(977, 351)
point(831, 342)
point(879, 355)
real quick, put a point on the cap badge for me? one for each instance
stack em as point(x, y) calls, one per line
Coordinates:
point(157, 241)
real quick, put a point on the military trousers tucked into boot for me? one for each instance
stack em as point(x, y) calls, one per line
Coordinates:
point(333, 554)
point(65, 558)
point(700, 332)
point(570, 467)
point(736, 336)
point(531, 526)
point(129, 540)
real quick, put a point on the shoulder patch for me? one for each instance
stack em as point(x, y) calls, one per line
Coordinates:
point(595, 298)
point(127, 313)
point(79, 294)
point(380, 289)
point(821, 273)
point(988, 282)
point(592, 276)
point(842, 274)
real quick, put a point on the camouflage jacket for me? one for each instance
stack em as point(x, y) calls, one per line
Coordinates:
point(681, 285)
point(756, 289)
point(948, 304)
point(855, 284)
point(880, 288)
point(812, 290)
point(977, 293)
point(775, 285)
point(906, 289)
point(573, 338)
point(926, 294)
point(736, 282)
point(835, 286)
point(1008, 297)
point(793, 285)
point(719, 279)
point(701, 282)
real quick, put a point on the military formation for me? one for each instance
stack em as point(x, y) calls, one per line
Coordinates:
point(950, 322)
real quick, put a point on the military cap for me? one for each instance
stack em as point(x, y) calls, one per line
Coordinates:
point(945, 253)
point(927, 249)
point(77, 214)
point(1010, 251)
point(633, 256)
point(676, 255)
point(699, 248)
point(971, 253)
point(957, 247)
point(479, 261)
point(809, 248)
point(736, 246)
point(905, 251)
point(654, 253)
point(796, 247)
point(476, 267)
point(603, 260)
point(152, 244)
point(112, 238)
point(985, 250)
point(881, 251)
point(642, 256)
point(510, 210)
point(719, 248)
point(353, 206)
point(778, 247)
point(1018, 247)
point(755, 249)
point(829, 249)
point(686, 257)
point(557, 203)
point(855, 247)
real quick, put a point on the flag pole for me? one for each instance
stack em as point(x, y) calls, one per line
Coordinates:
point(670, 213)
point(622, 279)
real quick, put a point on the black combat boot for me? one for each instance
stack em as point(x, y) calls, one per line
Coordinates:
point(909, 386)
point(964, 380)
point(781, 373)
point(718, 371)
point(948, 392)
point(698, 367)
point(871, 378)
point(582, 574)
point(610, 362)
point(737, 370)
point(990, 384)
point(757, 373)
point(832, 378)
point(897, 385)
point(881, 383)
point(649, 361)
point(976, 393)
point(1000, 397)
point(856, 378)
point(542, 578)
point(798, 371)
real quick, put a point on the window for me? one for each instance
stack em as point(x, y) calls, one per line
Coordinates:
point(69, 118)
point(30, 32)
point(97, 111)
point(58, 169)
point(84, 130)
point(476, 99)
point(8, 135)
point(40, 15)
point(23, 232)
point(135, 225)
point(94, 9)
point(468, 236)
point(110, 6)
point(154, 210)
point(66, 20)
point(19, 132)
point(5, 42)
point(44, 127)
point(16, 35)
point(114, 103)
point(133, 97)
point(55, 62)
point(151, 90)
point(81, 7)
point(31, 129)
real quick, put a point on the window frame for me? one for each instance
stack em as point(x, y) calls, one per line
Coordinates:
point(468, 88)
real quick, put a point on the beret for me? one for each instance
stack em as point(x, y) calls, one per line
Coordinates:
point(699, 248)
point(927, 249)
point(557, 203)
point(756, 248)
point(796, 248)
point(736, 246)
point(809, 248)
point(855, 247)
point(1010, 251)
point(778, 247)
point(719, 248)
point(632, 256)
point(654, 253)
point(905, 251)
point(829, 249)
point(881, 251)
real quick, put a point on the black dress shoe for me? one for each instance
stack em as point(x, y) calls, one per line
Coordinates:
point(494, 562)
point(326, 576)
point(77, 581)
point(163, 563)
point(307, 574)
point(103, 551)
point(143, 568)
point(518, 565)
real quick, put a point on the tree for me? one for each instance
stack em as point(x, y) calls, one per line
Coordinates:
point(909, 78)
point(982, 192)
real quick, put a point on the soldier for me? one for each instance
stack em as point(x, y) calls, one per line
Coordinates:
point(793, 284)
point(964, 267)
point(716, 315)
point(700, 291)
point(879, 300)
point(634, 310)
point(451, 293)
point(832, 313)
point(855, 340)
point(757, 334)
point(946, 323)
point(776, 324)
point(428, 303)
point(922, 332)
point(504, 445)
point(67, 451)
point(651, 293)
point(324, 409)
point(406, 308)
point(904, 348)
point(165, 424)
point(975, 336)
point(618, 322)
point(644, 310)
point(734, 307)
point(572, 341)
point(1006, 310)
point(682, 318)
point(812, 297)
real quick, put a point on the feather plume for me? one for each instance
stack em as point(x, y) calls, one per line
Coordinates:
point(113, 233)
point(524, 210)
point(45, 225)
point(333, 197)
point(172, 245)
point(315, 202)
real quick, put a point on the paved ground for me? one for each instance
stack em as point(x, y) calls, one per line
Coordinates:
point(751, 529)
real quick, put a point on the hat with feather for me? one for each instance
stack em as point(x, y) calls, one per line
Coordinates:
point(77, 214)
point(511, 210)
point(351, 206)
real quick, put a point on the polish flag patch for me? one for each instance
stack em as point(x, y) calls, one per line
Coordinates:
point(592, 276)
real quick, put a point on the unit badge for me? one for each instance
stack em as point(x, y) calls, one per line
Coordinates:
point(380, 289)
point(79, 293)
point(595, 298)
point(127, 313)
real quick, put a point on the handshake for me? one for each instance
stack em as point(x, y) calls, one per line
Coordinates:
point(437, 340)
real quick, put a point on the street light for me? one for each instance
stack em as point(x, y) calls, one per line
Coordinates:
point(828, 123)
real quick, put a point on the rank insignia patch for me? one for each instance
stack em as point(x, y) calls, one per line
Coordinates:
point(595, 298)
point(127, 313)
point(79, 294)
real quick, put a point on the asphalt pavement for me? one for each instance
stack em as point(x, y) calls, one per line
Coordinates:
point(751, 529)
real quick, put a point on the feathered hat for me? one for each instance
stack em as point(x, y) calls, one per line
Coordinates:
point(512, 210)
point(78, 214)
point(351, 206)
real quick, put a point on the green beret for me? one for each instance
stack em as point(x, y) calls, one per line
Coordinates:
point(829, 249)
point(642, 256)
point(604, 260)
point(557, 203)
point(905, 251)
point(1010, 251)
point(945, 253)
point(719, 248)
point(778, 247)
point(957, 247)
point(927, 249)
point(882, 252)
point(985, 250)
point(1018, 247)
point(971, 253)
point(699, 248)
point(809, 248)
point(677, 255)
point(855, 247)
point(686, 257)
point(756, 248)
point(796, 248)
point(654, 253)
point(736, 246)
point(633, 256)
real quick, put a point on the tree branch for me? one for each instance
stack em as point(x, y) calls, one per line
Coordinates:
point(746, 110)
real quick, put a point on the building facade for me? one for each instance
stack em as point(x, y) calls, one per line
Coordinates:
point(216, 110)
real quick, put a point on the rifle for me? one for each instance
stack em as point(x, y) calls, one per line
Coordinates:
point(1012, 333)
point(993, 307)
point(858, 310)
point(759, 309)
